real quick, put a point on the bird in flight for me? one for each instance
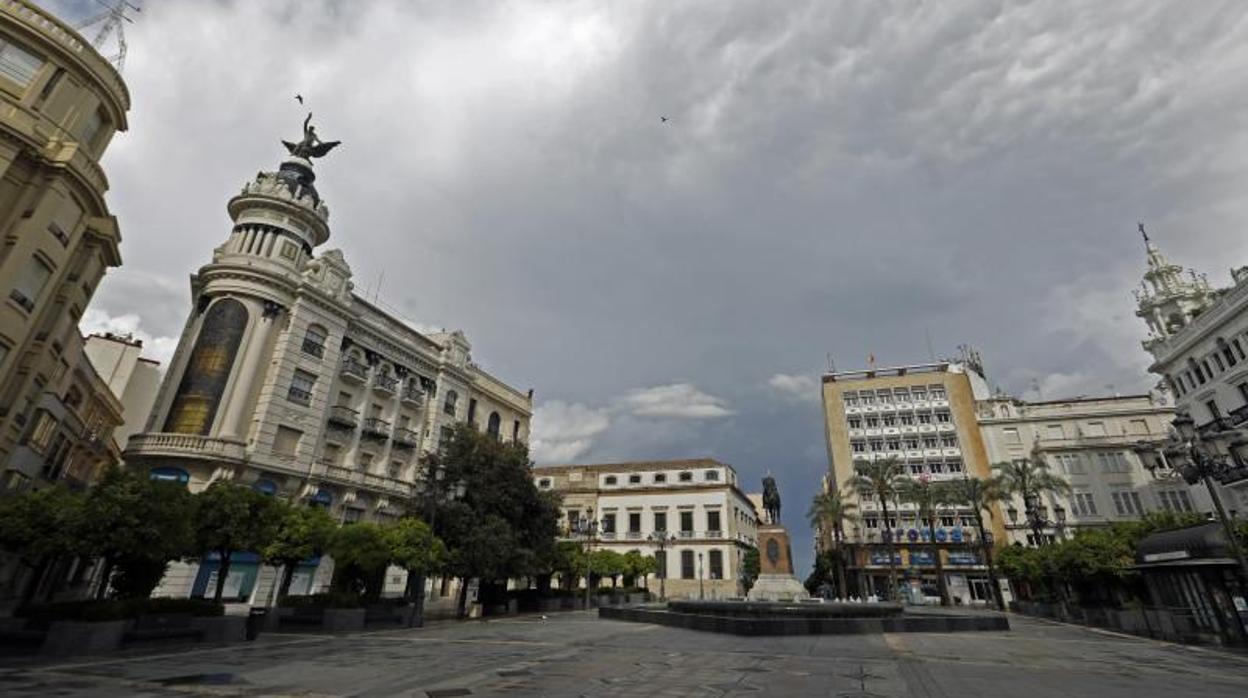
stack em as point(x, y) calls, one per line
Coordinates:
point(299, 98)
point(663, 119)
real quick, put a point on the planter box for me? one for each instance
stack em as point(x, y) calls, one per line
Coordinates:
point(342, 619)
point(75, 638)
point(221, 628)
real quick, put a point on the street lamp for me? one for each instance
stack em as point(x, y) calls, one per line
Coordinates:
point(1196, 463)
point(701, 591)
point(587, 526)
point(662, 539)
point(1037, 518)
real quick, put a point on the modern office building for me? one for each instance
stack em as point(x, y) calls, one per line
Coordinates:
point(696, 505)
point(286, 381)
point(1109, 449)
point(1198, 337)
point(924, 416)
point(62, 103)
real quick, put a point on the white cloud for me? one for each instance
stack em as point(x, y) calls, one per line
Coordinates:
point(678, 400)
point(797, 387)
point(97, 321)
point(562, 431)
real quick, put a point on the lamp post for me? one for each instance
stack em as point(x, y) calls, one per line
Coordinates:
point(661, 539)
point(587, 526)
point(1197, 463)
point(701, 591)
point(1037, 520)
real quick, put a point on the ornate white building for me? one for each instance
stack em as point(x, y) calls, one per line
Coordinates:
point(1198, 336)
point(286, 381)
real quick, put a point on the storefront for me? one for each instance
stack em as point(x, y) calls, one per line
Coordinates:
point(1192, 572)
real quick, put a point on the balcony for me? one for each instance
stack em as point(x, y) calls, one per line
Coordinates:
point(343, 417)
point(607, 535)
point(1239, 415)
point(406, 438)
point(715, 534)
point(385, 384)
point(686, 534)
point(412, 395)
point(313, 348)
point(354, 372)
point(376, 428)
point(191, 446)
point(633, 535)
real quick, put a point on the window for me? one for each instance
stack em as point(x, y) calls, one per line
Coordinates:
point(1054, 431)
point(515, 431)
point(608, 523)
point(1217, 361)
point(609, 480)
point(286, 442)
point(855, 422)
point(919, 393)
point(949, 441)
point(634, 522)
point(907, 419)
point(686, 476)
point(716, 560)
point(943, 418)
point(1127, 503)
point(660, 478)
point(494, 425)
point(873, 422)
point(686, 521)
point(1084, 504)
point(472, 410)
point(660, 520)
point(936, 392)
point(1095, 429)
point(30, 283)
point(924, 418)
point(90, 127)
point(955, 466)
point(448, 407)
point(314, 341)
point(42, 432)
point(889, 420)
point(850, 400)
point(634, 479)
point(300, 391)
point(333, 455)
point(1212, 406)
point(1239, 350)
point(686, 564)
point(858, 446)
point(1138, 426)
point(1175, 500)
point(871, 522)
point(18, 64)
point(712, 521)
point(916, 468)
point(544, 483)
point(1243, 386)
point(289, 250)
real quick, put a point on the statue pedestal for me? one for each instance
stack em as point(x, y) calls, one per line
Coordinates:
point(775, 579)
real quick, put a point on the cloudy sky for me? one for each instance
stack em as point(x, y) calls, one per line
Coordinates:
point(843, 178)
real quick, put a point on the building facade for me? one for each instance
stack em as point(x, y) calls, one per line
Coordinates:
point(697, 505)
point(924, 416)
point(62, 104)
point(286, 381)
point(1109, 449)
point(1198, 338)
point(133, 379)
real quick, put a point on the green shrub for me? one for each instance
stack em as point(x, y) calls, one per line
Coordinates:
point(333, 599)
point(42, 615)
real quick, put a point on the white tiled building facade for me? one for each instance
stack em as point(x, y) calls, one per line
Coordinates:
point(286, 381)
point(698, 501)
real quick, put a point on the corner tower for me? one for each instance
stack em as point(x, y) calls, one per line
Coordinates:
point(1168, 299)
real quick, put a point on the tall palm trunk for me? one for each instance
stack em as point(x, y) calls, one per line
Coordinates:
point(223, 571)
point(841, 591)
point(941, 584)
point(987, 553)
point(891, 594)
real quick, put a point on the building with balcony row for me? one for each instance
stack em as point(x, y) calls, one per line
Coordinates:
point(62, 103)
point(287, 381)
point(696, 506)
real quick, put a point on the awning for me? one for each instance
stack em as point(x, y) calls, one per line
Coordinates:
point(1199, 562)
point(1204, 542)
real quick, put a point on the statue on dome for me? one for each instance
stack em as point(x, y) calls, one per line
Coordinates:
point(311, 146)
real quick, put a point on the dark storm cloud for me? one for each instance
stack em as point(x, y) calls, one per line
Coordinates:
point(834, 177)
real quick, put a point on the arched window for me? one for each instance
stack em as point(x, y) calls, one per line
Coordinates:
point(177, 475)
point(494, 424)
point(449, 406)
point(208, 369)
point(314, 341)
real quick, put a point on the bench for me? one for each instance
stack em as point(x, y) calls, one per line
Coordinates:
point(163, 626)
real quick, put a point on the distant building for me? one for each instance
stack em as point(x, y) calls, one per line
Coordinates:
point(1107, 448)
point(133, 379)
point(698, 502)
point(286, 381)
point(1198, 337)
point(924, 416)
point(62, 103)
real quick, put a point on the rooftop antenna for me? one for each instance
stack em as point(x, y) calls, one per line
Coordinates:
point(111, 20)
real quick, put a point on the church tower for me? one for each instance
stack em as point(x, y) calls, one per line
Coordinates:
point(1169, 298)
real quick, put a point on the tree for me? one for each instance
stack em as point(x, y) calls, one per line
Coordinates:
point(302, 532)
point(40, 527)
point(1030, 479)
point(483, 549)
point(928, 496)
point(414, 548)
point(607, 563)
point(229, 519)
point(361, 552)
point(830, 511)
point(637, 565)
point(883, 480)
point(981, 495)
point(751, 565)
point(128, 519)
point(568, 563)
point(820, 574)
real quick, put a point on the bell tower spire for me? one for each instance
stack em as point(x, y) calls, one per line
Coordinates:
point(1168, 298)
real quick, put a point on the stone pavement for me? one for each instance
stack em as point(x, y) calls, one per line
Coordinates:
point(576, 654)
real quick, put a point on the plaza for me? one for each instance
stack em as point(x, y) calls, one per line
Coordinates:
point(576, 654)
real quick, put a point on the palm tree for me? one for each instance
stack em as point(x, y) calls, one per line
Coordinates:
point(1030, 479)
point(831, 510)
point(883, 480)
point(928, 496)
point(980, 495)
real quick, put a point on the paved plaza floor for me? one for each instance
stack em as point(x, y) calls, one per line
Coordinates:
point(576, 654)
